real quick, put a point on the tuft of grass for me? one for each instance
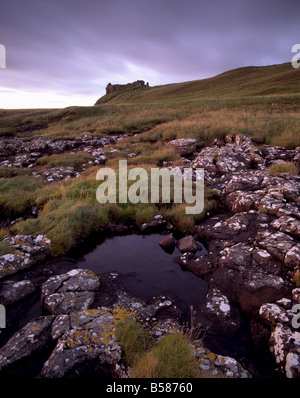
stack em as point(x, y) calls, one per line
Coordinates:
point(9, 172)
point(170, 358)
point(17, 195)
point(67, 223)
point(279, 168)
point(5, 248)
point(263, 210)
point(133, 339)
point(75, 160)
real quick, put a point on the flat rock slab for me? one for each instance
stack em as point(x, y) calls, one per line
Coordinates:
point(84, 336)
point(183, 146)
point(28, 341)
point(12, 292)
point(73, 291)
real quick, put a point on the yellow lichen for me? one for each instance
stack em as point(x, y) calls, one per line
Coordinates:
point(210, 356)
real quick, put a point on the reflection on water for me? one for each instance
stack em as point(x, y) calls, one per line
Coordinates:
point(146, 268)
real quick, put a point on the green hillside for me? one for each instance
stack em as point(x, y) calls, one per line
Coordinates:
point(249, 81)
point(262, 102)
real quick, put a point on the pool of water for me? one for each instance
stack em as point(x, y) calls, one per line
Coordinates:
point(147, 270)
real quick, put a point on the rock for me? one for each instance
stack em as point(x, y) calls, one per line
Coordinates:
point(183, 146)
point(260, 191)
point(236, 155)
point(88, 336)
point(288, 225)
point(272, 313)
point(278, 244)
point(26, 251)
point(12, 263)
point(201, 266)
point(168, 242)
point(60, 325)
point(187, 244)
point(240, 201)
point(245, 282)
point(12, 292)
point(296, 295)
point(157, 224)
point(259, 288)
point(278, 153)
point(28, 341)
point(285, 344)
point(284, 341)
point(292, 257)
point(215, 365)
point(59, 173)
point(220, 312)
point(73, 291)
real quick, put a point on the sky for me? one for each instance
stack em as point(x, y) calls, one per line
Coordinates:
point(61, 53)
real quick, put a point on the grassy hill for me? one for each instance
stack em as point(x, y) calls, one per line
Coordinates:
point(249, 81)
point(262, 102)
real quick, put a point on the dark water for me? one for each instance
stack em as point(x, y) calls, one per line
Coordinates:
point(147, 271)
point(146, 268)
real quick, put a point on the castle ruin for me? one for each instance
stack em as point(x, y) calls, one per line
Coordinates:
point(111, 88)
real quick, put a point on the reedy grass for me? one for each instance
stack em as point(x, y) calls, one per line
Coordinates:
point(278, 168)
point(169, 357)
point(75, 160)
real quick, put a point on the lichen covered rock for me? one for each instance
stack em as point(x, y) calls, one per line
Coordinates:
point(73, 291)
point(30, 340)
point(27, 250)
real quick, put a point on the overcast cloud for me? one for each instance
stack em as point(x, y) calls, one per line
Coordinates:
point(64, 52)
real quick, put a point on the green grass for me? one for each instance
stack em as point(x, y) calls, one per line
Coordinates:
point(262, 102)
point(242, 82)
point(8, 172)
point(133, 339)
point(75, 160)
point(5, 248)
point(67, 223)
point(17, 195)
point(279, 168)
point(169, 358)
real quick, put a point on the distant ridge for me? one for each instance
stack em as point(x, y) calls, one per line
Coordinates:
point(280, 79)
